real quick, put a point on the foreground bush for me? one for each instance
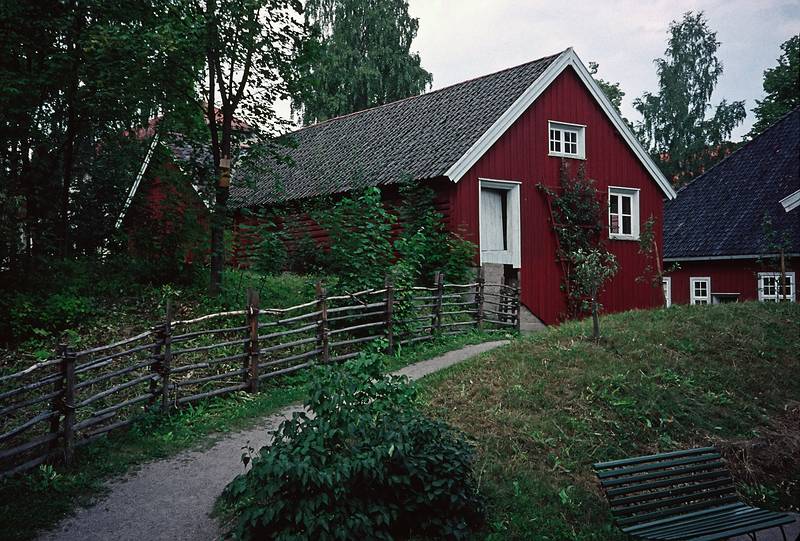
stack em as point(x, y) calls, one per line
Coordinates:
point(368, 465)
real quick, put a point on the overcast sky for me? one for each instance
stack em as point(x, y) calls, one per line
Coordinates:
point(462, 39)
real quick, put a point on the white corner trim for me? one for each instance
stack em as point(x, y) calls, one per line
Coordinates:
point(565, 59)
point(136, 182)
point(791, 201)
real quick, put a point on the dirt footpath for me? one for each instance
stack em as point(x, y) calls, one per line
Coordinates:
point(171, 499)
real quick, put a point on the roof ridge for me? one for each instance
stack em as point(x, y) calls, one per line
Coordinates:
point(744, 145)
point(409, 98)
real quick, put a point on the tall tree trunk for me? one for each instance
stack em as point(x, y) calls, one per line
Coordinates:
point(68, 156)
point(221, 204)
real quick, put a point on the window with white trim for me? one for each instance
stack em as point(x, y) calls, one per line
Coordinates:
point(700, 290)
point(567, 140)
point(666, 285)
point(500, 222)
point(769, 287)
point(623, 213)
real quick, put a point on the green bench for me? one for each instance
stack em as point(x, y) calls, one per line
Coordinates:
point(681, 495)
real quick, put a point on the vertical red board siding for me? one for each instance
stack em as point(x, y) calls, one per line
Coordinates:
point(727, 276)
point(521, 154)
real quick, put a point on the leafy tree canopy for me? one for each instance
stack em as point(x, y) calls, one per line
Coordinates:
point(676, 127)
point(359, 57)
point(782, 86)
point(612, 90)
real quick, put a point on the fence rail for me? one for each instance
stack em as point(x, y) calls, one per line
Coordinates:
point(54, 407)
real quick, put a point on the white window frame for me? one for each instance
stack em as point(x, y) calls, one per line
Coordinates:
point(562, 128)
point(633, 193)
point(762, 297)
point(693, 299)
point(666, 285)
point(512, 255)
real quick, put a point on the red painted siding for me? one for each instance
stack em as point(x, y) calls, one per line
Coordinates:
point(521, 154)
point(727, 276)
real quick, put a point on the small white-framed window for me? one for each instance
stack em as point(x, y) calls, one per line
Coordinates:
point(769, 287)
point(623, 213)
point(499, 218)
point(666, 284)
point(700, 290)
point(566, 140)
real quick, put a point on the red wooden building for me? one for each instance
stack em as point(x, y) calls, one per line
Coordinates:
point(726, 229)
point(484, 145)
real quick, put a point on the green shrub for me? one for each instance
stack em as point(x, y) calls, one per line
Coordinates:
point(360, 230)
point(368, 465)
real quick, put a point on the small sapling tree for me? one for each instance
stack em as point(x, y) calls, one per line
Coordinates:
point(592, 268)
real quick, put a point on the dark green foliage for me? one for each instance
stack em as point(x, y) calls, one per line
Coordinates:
point(675, 127)
point(368, 465)
point(424, 244)
point(781, 85)
point(578, 223)
point(360, 240)
point(268, 252)
point(612, 90)
point(358, 56)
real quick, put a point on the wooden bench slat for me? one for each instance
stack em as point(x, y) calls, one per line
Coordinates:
point(656, 466)
point(750, 516)
point(676, 502)
point(700, 522)
point(717, 466)
point(674, 490)
point(637, 528)
point(677, 510)
point(651, 458)
point(628, 489)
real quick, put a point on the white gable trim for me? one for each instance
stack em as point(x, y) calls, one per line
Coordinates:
point(791, 201)
point(566, 59)
point(136, 182)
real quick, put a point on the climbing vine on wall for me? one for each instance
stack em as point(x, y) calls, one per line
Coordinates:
point(577, 218)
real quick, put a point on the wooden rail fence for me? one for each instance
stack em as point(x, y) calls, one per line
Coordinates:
point(56, 406)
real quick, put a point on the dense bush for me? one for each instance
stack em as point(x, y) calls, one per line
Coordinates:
point(367, 465)
point(360, 230)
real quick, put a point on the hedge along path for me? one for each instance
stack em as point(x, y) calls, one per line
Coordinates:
point(172, 499)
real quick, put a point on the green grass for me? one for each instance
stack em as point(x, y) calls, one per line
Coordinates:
point(29, 503)
point(543, 409)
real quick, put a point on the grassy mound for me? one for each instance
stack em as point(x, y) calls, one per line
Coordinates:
point(544, 408)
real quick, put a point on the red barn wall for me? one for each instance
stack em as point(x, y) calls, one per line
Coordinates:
point(521, 154)
point(727, 276)
point(297, 212)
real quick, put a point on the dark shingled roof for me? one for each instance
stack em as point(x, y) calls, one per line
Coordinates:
point(420, 137)
point(720, 213)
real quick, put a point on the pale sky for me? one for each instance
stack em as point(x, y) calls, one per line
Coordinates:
point(462, 39)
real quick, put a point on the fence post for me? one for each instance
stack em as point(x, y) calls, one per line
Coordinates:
point(389, 314)
point(479, 295)
point(251, 362)
point(57, 405)
point(166, 357)
point(322, 332)
point(68, 403)
point(515, 303)
point(437, 303)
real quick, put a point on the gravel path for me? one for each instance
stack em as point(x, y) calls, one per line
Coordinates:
point(171, 499)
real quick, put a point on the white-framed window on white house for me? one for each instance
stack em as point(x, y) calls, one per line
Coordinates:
point(567, 140)
point(623, 213)
point(499, 218)
point(700, 290)
point(666, 285)
point(769, 287)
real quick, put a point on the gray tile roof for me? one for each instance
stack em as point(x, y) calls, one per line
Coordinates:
point(420, 137)
point(720, 213)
